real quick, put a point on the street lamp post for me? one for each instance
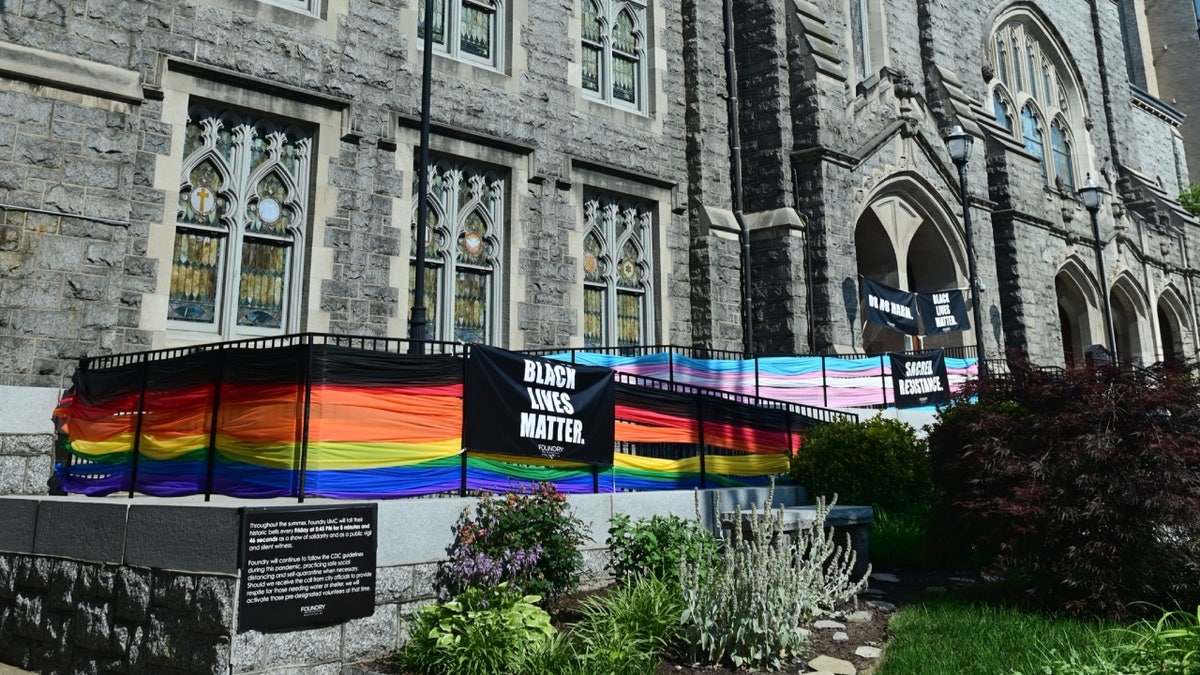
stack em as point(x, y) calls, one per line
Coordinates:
point(959, 143)
point(1092, 196)
point(417, 331)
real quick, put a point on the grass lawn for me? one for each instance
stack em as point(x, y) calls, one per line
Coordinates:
point(945, 636)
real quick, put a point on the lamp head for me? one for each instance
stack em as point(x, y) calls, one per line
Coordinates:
point(959, 144)
point(1091, 194)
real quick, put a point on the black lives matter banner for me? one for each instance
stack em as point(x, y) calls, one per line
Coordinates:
point(943, 312)
point(890, 307)
point(535, 407)
point(920, 380)
point(307, 566)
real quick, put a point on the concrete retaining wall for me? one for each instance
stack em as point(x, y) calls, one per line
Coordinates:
point(151, 586)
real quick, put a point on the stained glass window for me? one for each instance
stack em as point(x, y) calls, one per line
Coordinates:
point(1040, 90)
point(616, 271)
point(241, 211)
point(462, 245)
point(1060, 145)
point(613, 51)
point(1000, 108)
point(465, 29)
point(1031, 131)
point(860, 37)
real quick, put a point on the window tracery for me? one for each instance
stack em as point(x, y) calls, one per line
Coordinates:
point(613, 56)
point(616, 271)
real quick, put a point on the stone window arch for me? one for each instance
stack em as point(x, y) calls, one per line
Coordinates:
point(463, 251)
point(467, 30)
point(617, 271)
point(242, 215)
point(613, 52)
point(1034, 75)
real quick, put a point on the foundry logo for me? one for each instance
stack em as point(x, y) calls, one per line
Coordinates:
point(312, 610)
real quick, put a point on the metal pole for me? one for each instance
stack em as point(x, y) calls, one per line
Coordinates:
point(972, 270)
point(417, 331)
point(1108, 325)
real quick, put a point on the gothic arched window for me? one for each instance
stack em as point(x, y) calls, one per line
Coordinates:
point(463, 240)
point(613, 58)
point(617, 308)
point(243, 201)
point(467, 30)
point(1032, 76)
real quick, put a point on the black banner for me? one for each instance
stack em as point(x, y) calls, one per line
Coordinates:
point(943, 311)
point(307, 566)
point(919, 380)
point(535, 407)
point(890, 307)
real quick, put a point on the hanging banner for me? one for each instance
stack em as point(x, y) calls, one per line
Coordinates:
point(919, 380)
point(943, 311)
point(526, 405)
point(890, 307)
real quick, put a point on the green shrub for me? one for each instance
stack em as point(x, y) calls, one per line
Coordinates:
point(899, 540)
point(480, 632)
point(745, 604)
point(655, 546)
point(621, 633)
point(1078, 488)
point(529, 539)
point(878, 462)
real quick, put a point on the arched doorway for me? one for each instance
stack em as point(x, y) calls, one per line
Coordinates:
point(1130, 317)
point(1173, 338)
point(903, 239)
point(876, 257)
point(1078, 314)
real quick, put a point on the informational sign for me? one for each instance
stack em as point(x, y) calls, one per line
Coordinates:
point(535, 407)
point(307, 566)
point(890, 307)
point(943, 311)
point(919, 380)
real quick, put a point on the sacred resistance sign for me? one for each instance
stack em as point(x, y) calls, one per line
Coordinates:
point(920, 380)
point(535, 407)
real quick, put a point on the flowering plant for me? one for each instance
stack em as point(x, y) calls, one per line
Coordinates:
point(529, 539)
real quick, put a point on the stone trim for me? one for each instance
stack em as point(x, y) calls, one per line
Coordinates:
point(71, 73)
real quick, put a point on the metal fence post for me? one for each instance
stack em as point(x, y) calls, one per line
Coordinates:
point(212, 431)
point(308, 379)
point(137, 426)
point(700, 428)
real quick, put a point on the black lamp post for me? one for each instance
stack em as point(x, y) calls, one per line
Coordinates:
point(959, 143)
point(417, 331)
point(1092, 196)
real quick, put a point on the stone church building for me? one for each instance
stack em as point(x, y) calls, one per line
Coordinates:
point(187, 171)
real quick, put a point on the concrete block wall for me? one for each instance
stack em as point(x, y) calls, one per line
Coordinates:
point(151, 586)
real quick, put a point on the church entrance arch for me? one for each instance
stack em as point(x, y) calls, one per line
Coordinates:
point(906, 239)
point(1078, 312)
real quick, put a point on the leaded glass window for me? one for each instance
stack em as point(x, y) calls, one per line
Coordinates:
point(1029, 80)
point(617, 309)
point(462, 251)
point(1060, 145)
point(613, 51)
point(242, 209)
point(467, 30)
point(859, 36)
point(1031, 132)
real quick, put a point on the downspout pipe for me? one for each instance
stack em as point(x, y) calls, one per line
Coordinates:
point(735, 177)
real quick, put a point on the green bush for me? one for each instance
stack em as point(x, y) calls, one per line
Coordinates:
point(879, 462)
point(621, 633)
point(745, 604)
point(899, 540)
point(1078, 488)
point(529, 539)
point(480, 632)
point(655, 546)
